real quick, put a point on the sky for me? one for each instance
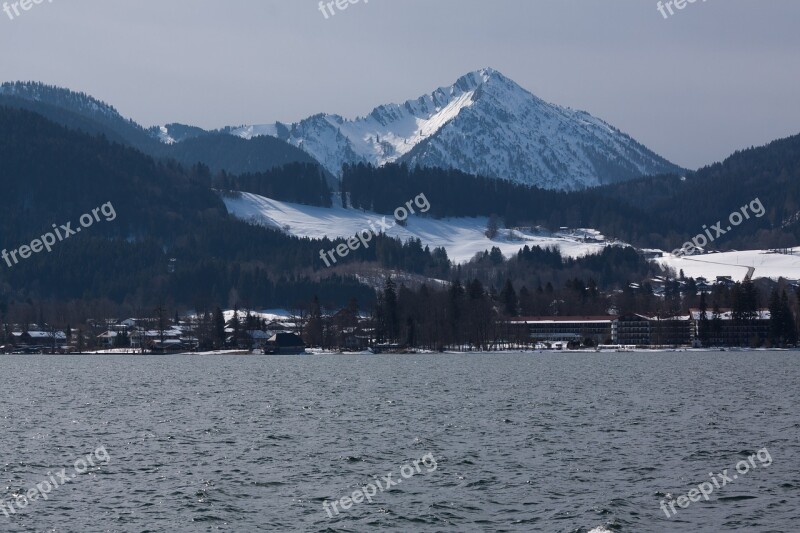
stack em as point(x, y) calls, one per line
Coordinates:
point(714, 77)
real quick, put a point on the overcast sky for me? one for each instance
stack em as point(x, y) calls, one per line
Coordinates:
point(713, 78)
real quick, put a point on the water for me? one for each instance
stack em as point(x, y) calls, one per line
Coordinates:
point(521, 442)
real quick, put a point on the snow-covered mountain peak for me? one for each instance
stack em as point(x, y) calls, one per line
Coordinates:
point(476, 78)
point(484, 123)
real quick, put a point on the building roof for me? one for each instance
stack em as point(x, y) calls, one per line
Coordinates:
point(563, 319)
point(287, 340)
point(40, 335)
point(727, 314)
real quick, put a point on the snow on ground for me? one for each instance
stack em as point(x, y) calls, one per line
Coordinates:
point(461, 237)
point(736, 264)
point(464, 237)
point(266, 314)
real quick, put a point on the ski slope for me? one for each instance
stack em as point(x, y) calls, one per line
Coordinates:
point(461, 237)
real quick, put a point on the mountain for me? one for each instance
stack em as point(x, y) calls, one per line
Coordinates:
point(661, 211)
point(484, 124)
point(681, 208)
point(163, 236)
point(219, 152)
point(77, 111)
point(186, 144)
point(174, 133)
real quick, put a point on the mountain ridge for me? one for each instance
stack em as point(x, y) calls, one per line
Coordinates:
point(215, 149)
point(483, 124)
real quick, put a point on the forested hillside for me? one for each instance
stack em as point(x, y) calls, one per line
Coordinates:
point(657, 211)
point(51, 175)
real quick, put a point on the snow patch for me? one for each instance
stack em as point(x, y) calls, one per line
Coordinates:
point(461, 237)
point(736, 264)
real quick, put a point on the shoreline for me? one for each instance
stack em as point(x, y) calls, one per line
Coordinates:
point(430, 352)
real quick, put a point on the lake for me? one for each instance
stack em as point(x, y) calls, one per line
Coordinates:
point(554, 442)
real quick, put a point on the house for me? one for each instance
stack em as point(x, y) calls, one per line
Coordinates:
point(260, 338)
point(107, 339)
point(146, 338)
point(45, 340)
point(651, 254)
point(354, 339)
point(280, 326)
point(703, 286)
point(168, 346)
point(285, 344)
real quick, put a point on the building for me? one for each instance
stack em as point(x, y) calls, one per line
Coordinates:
point(285, 344)
point(727, 329)
point(597, 329)
point(631, 329)
point(107, 339)
point(35, 341)
point(260, 338)
point(641, 330)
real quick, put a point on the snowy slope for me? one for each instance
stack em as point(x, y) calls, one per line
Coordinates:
point(483, 124)
point(461, 237)
point(737, 264)
point(175, 133)
point(464, 237)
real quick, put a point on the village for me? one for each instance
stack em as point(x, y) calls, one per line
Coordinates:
point(292, 335)
point(155, 336)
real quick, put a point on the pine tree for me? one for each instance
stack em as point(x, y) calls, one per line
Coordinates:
point(161, 321)
point(81, 342)
point(492, 227)
point(315, 328)
point(236, 325)
point(390, 316)
point(703, 324)
point(455, 306)
point(508, 298)
point(789, 329)
point(716, 320)
point(776, 319)
point(352, 313)
point(219, 328)
point(526, 301)
point(411, 338)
